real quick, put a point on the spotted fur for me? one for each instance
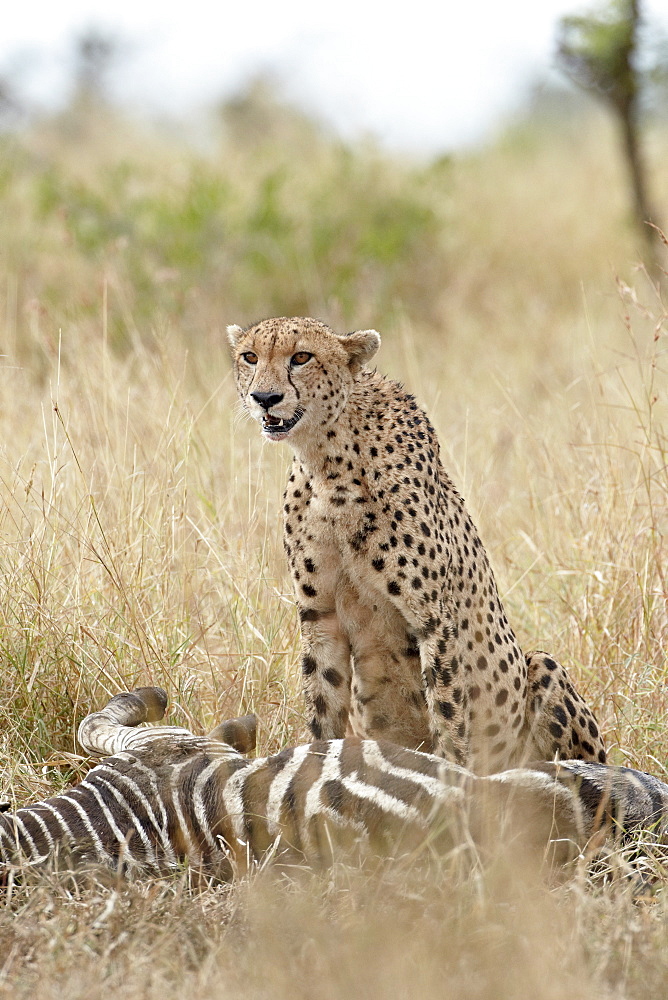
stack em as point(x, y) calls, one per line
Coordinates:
point(165, 797)
point(404, 635)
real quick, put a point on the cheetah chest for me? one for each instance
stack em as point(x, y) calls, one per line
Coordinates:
point(335, 584)
point(329, 555)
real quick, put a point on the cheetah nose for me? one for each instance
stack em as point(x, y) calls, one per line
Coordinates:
point(267, 399)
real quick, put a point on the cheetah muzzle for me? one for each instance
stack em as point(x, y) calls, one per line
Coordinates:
point(404, 634)
point(278, 428)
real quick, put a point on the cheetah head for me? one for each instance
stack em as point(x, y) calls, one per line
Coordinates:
point(294, 376)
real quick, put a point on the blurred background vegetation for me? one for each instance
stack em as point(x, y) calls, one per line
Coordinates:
point(264, 211)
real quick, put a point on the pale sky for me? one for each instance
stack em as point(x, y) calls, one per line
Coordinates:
point(418, 74)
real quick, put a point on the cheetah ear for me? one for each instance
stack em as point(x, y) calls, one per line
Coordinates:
point(361, 347)
point(234, 332)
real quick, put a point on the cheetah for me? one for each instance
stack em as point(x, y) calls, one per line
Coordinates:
point(404, 636)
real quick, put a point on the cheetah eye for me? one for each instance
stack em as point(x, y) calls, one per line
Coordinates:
point(250, 358)
point(300, 358)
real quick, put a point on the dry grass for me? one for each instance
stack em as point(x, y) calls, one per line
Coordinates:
point(347, 934)
point(141, 544)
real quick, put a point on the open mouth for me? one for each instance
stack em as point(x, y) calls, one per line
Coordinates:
point(277, 427)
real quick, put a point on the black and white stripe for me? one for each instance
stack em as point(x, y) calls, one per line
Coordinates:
point(165, 796)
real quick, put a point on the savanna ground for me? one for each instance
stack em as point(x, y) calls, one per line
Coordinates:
point(141, 538)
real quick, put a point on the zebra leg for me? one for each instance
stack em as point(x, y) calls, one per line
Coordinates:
point(103, 733)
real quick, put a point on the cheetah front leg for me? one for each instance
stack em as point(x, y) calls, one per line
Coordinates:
point(445, 692)
point(559, 723)
point(327, 673)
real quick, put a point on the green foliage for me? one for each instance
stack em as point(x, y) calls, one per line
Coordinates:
point(272, 234)
point(92, 220)
point(597, 50)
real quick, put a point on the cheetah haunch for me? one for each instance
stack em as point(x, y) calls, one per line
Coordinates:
point(403, 631)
